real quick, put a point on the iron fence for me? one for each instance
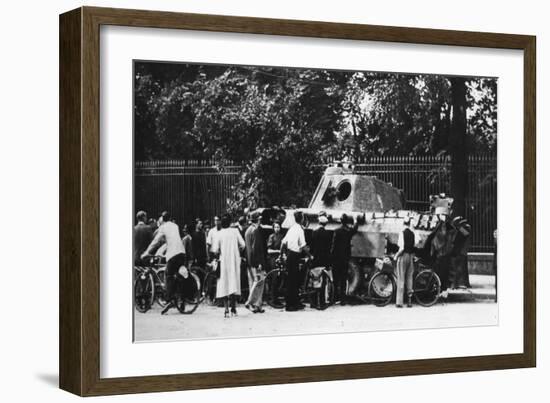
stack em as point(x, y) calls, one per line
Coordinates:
point(194, 188)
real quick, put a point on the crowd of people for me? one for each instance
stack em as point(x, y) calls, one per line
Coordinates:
point(242, 246)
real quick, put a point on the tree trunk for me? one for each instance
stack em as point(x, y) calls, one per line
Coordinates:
point(458, 146)
point(356, 145)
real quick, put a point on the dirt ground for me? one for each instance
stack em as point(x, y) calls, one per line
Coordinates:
point(208, 322)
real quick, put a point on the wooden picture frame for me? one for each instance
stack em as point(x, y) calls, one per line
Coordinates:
point(79, 347)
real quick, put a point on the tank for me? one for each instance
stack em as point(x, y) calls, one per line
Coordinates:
point(377, 207)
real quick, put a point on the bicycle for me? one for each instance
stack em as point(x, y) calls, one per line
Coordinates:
point(316, 283)
point(149, 284)
point(382, 287)
point(150, 287)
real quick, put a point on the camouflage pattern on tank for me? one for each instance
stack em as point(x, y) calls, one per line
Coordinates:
point(376, 205)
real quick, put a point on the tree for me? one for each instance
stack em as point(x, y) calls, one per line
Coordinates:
point(458, 149)
point(281, 124)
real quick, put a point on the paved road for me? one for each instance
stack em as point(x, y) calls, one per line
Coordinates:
point(208, 322)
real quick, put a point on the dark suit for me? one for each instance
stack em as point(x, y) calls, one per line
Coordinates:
point(244, 271)
point(256, 251)
point(321, 242)
point(341, 253)
point(143, 235)
point(198, 246)
point(257, 256)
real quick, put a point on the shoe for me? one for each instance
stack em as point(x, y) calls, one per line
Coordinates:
point(398, 306)
point(233, 311)
point(226, 313)
point(300, 306)
point(291, 309)
point(260, 309)
point(250, 308)
point(167, 307)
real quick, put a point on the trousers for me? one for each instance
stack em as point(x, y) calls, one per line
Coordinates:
point(442, 264)
point(340, 274)
point(292, 297)
point(172, 267)
point(405, 271)
point(256, 283)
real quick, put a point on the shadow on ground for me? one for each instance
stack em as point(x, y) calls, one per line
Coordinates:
point(49, 379)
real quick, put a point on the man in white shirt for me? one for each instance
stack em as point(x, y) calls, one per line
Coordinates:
point(169, 233)
point(213, 233)
point(405, 266)
point(295, 244)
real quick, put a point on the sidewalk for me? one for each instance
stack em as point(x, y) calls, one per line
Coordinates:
point(483, 288)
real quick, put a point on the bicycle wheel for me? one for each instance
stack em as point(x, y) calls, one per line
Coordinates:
point(209, 289)
point(144, 292)
point(200, 272)
point(382, 288)
point(190, 295)
point(427, 287)
point(274, 289)
point(160, 288)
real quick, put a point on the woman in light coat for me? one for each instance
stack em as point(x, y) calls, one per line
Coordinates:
point(228, 244)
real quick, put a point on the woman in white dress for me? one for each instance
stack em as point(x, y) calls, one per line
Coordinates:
point(228, 244)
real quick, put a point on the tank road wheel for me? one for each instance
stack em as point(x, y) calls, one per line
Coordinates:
point(275, 289)
point(144, 292)
point(427, 287)
point(382, 288)
point(190, 297)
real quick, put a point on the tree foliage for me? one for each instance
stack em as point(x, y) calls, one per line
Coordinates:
point(281, 124)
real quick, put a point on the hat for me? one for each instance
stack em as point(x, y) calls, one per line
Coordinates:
point(345, 219)
point(254, 216)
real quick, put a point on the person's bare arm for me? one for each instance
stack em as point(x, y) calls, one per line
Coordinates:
point(399, 253)
point(401, 244)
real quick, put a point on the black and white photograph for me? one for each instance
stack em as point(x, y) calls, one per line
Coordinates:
point(279, 201)
point(271, 202)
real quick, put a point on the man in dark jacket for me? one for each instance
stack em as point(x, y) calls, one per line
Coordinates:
point(321, 242)
point(256, 256)
point(187, 241)
point(242, 225)
point(198, 244)
point(341, 253)
point(143, 235)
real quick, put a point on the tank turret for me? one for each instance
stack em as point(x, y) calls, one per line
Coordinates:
point(341, 188)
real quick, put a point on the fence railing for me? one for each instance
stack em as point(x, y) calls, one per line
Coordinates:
point(195, 188)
